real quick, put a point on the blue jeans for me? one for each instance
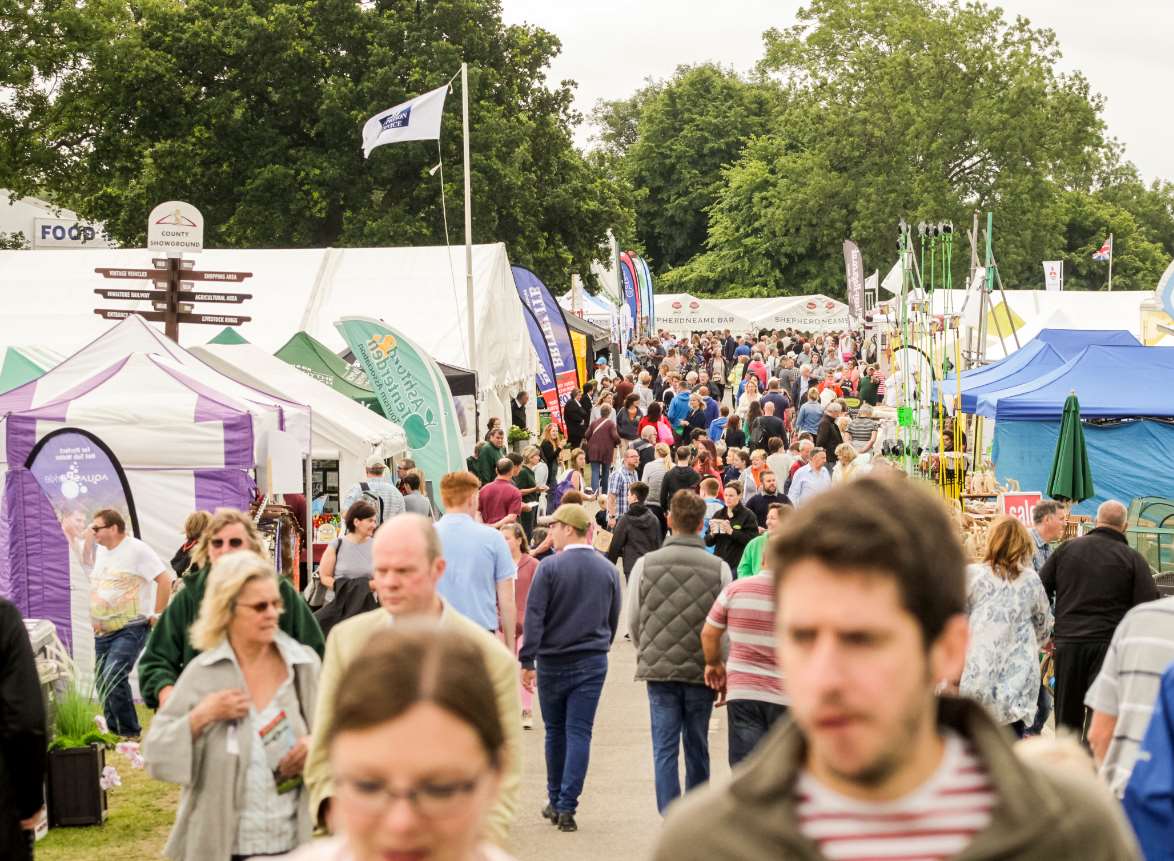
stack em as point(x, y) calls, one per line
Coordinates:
point(680, 712)
point(116, 654)
point(600, 473)
point(1043, 711)
point(749, 721)
point(568, 692)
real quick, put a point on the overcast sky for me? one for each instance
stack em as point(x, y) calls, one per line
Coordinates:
point(611, 46)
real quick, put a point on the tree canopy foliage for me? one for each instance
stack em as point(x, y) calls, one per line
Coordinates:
point(868, 111)
point(252, 110)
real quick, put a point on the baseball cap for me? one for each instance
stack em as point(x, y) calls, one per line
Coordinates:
point(375, 461)
point(601, 361)
point(573, 515)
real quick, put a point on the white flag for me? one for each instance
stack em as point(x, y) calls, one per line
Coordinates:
point(972, 307)
point(417, 120)
point(892, 281)
point(1054, 274)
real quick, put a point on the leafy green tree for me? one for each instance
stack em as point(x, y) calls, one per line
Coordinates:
point(901, 108)
point(1138, 261)
point(688, 130)
point(252, 110)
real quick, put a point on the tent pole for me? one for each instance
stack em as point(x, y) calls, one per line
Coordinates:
point(309, 497)
point(468, 218)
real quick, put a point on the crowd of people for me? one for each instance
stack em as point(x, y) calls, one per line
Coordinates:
point(724, 509)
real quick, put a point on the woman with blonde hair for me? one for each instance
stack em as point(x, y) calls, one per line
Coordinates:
point(235, 731)
point(1010, 620)
point(417, 751)
point(846, 465)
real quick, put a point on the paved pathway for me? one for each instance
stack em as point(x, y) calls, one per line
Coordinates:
point(617, 812)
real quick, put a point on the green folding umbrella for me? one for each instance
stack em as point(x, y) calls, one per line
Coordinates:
point(1071, 477)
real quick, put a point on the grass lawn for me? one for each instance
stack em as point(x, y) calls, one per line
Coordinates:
point(141, 813)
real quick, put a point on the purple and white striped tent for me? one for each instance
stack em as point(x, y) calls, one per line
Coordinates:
point(131, 422)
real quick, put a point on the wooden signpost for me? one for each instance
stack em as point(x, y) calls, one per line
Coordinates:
point(173, 227)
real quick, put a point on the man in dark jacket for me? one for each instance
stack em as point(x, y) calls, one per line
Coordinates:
point(169, 649)
point(767, 496)
point(637, 532)
point(680, 477)
point(828, 436)
point(576, 419)
point(670, 593)
point(22, 739)
point(1095, 579)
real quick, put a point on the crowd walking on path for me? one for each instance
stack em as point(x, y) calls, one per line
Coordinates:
point(883, 696)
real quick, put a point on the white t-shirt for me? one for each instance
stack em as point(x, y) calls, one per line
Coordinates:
point(122, 585)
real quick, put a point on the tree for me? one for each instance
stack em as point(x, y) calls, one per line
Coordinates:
point(252, 110)
point(901, 108)
point(688, 130)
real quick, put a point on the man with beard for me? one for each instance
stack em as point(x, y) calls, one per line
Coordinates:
point(767, 496)
point(870, 617)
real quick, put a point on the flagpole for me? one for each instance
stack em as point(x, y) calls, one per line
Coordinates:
point(1110, 262)
point(468, 217)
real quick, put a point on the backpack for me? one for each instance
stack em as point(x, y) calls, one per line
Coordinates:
point(375, 499)
point(555, 497)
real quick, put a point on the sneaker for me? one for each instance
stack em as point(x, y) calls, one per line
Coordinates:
point(550, 813)
point(527, 720)
point(566, 822)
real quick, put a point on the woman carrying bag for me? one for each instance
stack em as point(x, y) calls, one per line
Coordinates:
point(236, 728)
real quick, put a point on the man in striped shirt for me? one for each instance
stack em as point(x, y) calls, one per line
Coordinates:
point(869, 584)
point(749, 682)
point(1122, 697)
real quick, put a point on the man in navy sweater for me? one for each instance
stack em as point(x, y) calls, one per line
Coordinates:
point(572, 615)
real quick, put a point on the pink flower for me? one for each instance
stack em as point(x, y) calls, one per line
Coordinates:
point(109, 778)
point(131, 749)
point(101, 722)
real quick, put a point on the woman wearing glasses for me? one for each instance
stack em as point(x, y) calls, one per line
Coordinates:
point(416, 750)
point(169, 648)
point(235, 730)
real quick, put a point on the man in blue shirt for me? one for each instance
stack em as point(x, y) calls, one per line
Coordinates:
point(572, 615)
point(479, 578)
point(678, 409)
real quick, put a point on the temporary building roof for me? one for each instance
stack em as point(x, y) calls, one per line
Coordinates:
point(599, 338)
point(420, 291)
point(133, 335)
point(681, 313)
point(756, 308)
point(817, 313)
point(1111, 382)
point(1048, 350)
point(343, 430)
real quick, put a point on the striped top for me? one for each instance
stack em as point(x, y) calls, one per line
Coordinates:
point(934, 822)
point(746, 610)
point(1127, 687)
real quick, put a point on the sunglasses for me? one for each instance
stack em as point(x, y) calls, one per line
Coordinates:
point(234, 543)
point(98, 528)
point(262, 606)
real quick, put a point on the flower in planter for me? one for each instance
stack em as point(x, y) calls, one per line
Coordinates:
point(109, 778)
point(101, 722)
point(131, 749)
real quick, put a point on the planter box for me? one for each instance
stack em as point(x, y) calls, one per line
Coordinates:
point(75, 798)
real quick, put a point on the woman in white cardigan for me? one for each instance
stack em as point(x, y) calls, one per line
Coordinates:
point(235, 731)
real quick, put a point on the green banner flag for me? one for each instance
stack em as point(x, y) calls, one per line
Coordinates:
point(412, 391)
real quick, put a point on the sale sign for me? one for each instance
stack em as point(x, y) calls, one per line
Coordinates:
point(1020, 505)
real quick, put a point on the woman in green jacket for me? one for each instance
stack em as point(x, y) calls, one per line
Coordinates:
point(169, 648)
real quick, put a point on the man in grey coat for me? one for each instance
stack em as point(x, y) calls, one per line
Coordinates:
point(670, 594)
